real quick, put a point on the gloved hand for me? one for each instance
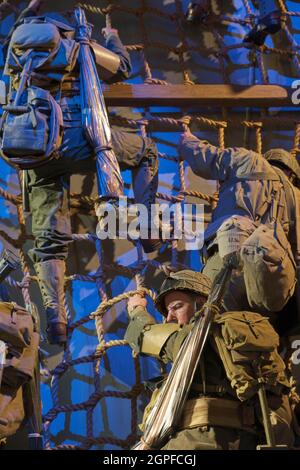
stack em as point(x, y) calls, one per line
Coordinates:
point(136, 300)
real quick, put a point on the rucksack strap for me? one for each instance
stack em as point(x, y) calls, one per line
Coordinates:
point(258, 175)
point(292, 209)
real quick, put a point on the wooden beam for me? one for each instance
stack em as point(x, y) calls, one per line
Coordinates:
point(190, 95)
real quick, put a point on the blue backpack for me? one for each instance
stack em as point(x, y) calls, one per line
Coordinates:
point(41, 53)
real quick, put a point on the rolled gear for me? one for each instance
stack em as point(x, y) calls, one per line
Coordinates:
point(233, 233)
point(51, 282)
point(186, 280)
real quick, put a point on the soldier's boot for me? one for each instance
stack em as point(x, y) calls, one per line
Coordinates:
point(270, 22)
point(50, 275)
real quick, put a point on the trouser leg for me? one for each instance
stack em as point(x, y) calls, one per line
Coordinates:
point(140, 155)
point(52, 231)
point(51, 226)
point(145, 183)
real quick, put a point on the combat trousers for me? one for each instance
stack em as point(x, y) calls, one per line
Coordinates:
point(49, 184)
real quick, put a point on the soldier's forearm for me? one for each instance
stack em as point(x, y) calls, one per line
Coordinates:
point(115, 45)
point(139, 320)
point(206, 160)
point(200, 155)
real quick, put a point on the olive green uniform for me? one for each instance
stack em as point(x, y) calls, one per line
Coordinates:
point(230, 424)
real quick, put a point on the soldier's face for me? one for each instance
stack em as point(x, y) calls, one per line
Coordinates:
point(180, 307)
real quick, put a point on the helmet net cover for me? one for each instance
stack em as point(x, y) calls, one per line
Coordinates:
point(185, 280)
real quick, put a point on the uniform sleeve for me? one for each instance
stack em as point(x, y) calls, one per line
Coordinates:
point(208, 161)
point(139, 320)
point(114, 44)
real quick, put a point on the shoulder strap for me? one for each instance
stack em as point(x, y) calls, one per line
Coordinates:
point(259, 175)
point(292, 208)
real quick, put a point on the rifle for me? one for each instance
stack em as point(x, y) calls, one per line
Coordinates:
point(94, 114)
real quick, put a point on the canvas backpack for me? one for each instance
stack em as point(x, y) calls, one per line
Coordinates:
point(17, 331)
point(41, 53)
point(247, 344)
point(268, 262)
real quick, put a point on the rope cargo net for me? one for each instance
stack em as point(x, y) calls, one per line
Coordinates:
point(149, 122)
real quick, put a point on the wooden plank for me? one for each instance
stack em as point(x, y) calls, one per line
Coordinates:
point(189, 95)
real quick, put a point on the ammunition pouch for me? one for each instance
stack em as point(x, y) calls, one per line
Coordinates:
point(16, 327)
point(247, 345)
point(20, 369)
point(207, 411)
point(31, 132)
point(17, 332)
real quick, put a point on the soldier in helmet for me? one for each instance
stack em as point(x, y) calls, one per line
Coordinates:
point(213, 417)
point(255, 190)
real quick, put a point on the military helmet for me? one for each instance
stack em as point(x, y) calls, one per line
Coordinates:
point(283, 157)
point(185, 280)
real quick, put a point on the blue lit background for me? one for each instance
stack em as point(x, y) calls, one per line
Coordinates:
point(112, 415)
